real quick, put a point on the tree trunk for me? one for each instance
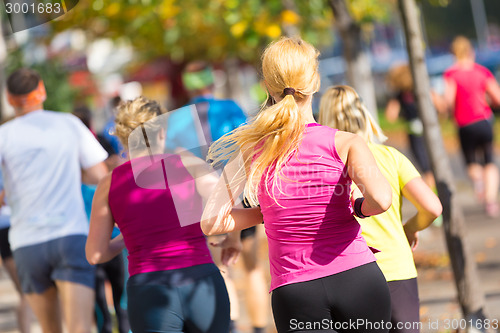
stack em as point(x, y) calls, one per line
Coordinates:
point(470, 294)
point(359, 72)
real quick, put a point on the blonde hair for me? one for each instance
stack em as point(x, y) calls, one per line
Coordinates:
point(132, 114)
point(461, 48)
point(341, 108)
point(275, 134)
point(400, 78)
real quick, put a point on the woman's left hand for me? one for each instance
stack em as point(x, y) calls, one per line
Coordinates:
point(412, 239)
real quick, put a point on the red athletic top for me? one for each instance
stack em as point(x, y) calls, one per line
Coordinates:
point(470, 102)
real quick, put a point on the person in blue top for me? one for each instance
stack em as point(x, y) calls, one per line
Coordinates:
point(194, 127)
point(108, 132)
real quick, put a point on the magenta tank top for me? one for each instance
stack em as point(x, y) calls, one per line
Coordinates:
point(310, 226)
point(148, 220)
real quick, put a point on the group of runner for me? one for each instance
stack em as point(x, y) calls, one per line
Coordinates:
point(469, 89)
point(329, 195)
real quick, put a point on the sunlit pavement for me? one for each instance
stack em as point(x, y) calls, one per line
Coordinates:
point(436, 284)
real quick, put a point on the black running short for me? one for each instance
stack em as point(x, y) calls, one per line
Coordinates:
point(476, 140)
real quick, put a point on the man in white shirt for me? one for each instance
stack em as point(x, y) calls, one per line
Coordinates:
point(44, 156)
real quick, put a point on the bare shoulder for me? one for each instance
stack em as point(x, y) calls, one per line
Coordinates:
point(343, 138)
point(344, 141)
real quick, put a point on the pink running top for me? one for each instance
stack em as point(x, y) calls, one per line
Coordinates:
point(470, 101)
point(311, 229)
point(148, 220)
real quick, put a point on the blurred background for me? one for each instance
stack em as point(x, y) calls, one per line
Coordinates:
point(100, 50)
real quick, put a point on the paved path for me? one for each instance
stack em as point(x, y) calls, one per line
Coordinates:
point(437, 289)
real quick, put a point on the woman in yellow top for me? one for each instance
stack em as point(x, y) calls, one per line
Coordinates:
point(342, 108)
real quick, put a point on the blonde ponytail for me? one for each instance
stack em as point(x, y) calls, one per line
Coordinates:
point(275, 134)
point(342, 108)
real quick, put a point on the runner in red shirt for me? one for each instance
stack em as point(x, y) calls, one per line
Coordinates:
point(466, 87)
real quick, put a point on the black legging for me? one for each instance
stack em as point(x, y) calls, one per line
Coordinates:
point(405, 306)
point(356, 300)
point(114, 271)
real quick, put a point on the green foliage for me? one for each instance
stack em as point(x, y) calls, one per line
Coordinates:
point(214, 30)
point(439, 3)
point(188, 29)
point(60, 95)
point(369, 11)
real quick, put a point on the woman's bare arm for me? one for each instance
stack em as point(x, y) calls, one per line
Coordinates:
point(439, 102)
point(94, 174)
point(392, 110)
point(206, 181)
point(450, 93)
point(363, 170)
point(219, 215)
point(100, 247)
point(493, 91)
point(428, 208)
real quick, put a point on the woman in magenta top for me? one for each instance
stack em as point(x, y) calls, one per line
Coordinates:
point(466, 87)
point(323, 274)
point(156, 200)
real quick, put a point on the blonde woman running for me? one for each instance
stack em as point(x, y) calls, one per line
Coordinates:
point(323, 275)
point(174, 286)
point(342, 108)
